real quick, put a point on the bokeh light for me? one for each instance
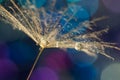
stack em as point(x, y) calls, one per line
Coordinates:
point(57, 60)
point(44, 73)
point(90, 6)
point(37, 3)
point(66, 75)
point(79, 15)
point(84, 73)
point(8, 70)
point(80, 58)
point(73, 0)
point(112, 72)
point(58, 64)
point(1, 1)
point(23, 53)
point(7, 34)
point(4, 51)
point(78, 12)
point(112, 5)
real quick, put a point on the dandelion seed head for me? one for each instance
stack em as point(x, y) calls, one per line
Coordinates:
point(44, 42)
point(50, 28)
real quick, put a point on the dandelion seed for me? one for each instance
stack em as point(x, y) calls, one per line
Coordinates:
point(44, 29)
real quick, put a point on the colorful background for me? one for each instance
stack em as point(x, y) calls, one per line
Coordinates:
point(18, 51)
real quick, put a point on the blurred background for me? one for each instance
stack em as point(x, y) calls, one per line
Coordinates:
point(18, 51)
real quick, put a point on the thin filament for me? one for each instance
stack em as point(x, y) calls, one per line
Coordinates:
point(34, 64)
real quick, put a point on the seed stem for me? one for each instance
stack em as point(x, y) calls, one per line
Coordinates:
point(34, 64)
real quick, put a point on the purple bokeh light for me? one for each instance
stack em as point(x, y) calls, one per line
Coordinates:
point(58, 60)
point(44, 73)
point(8, 70)
point(4, 51)
point(112, 5)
